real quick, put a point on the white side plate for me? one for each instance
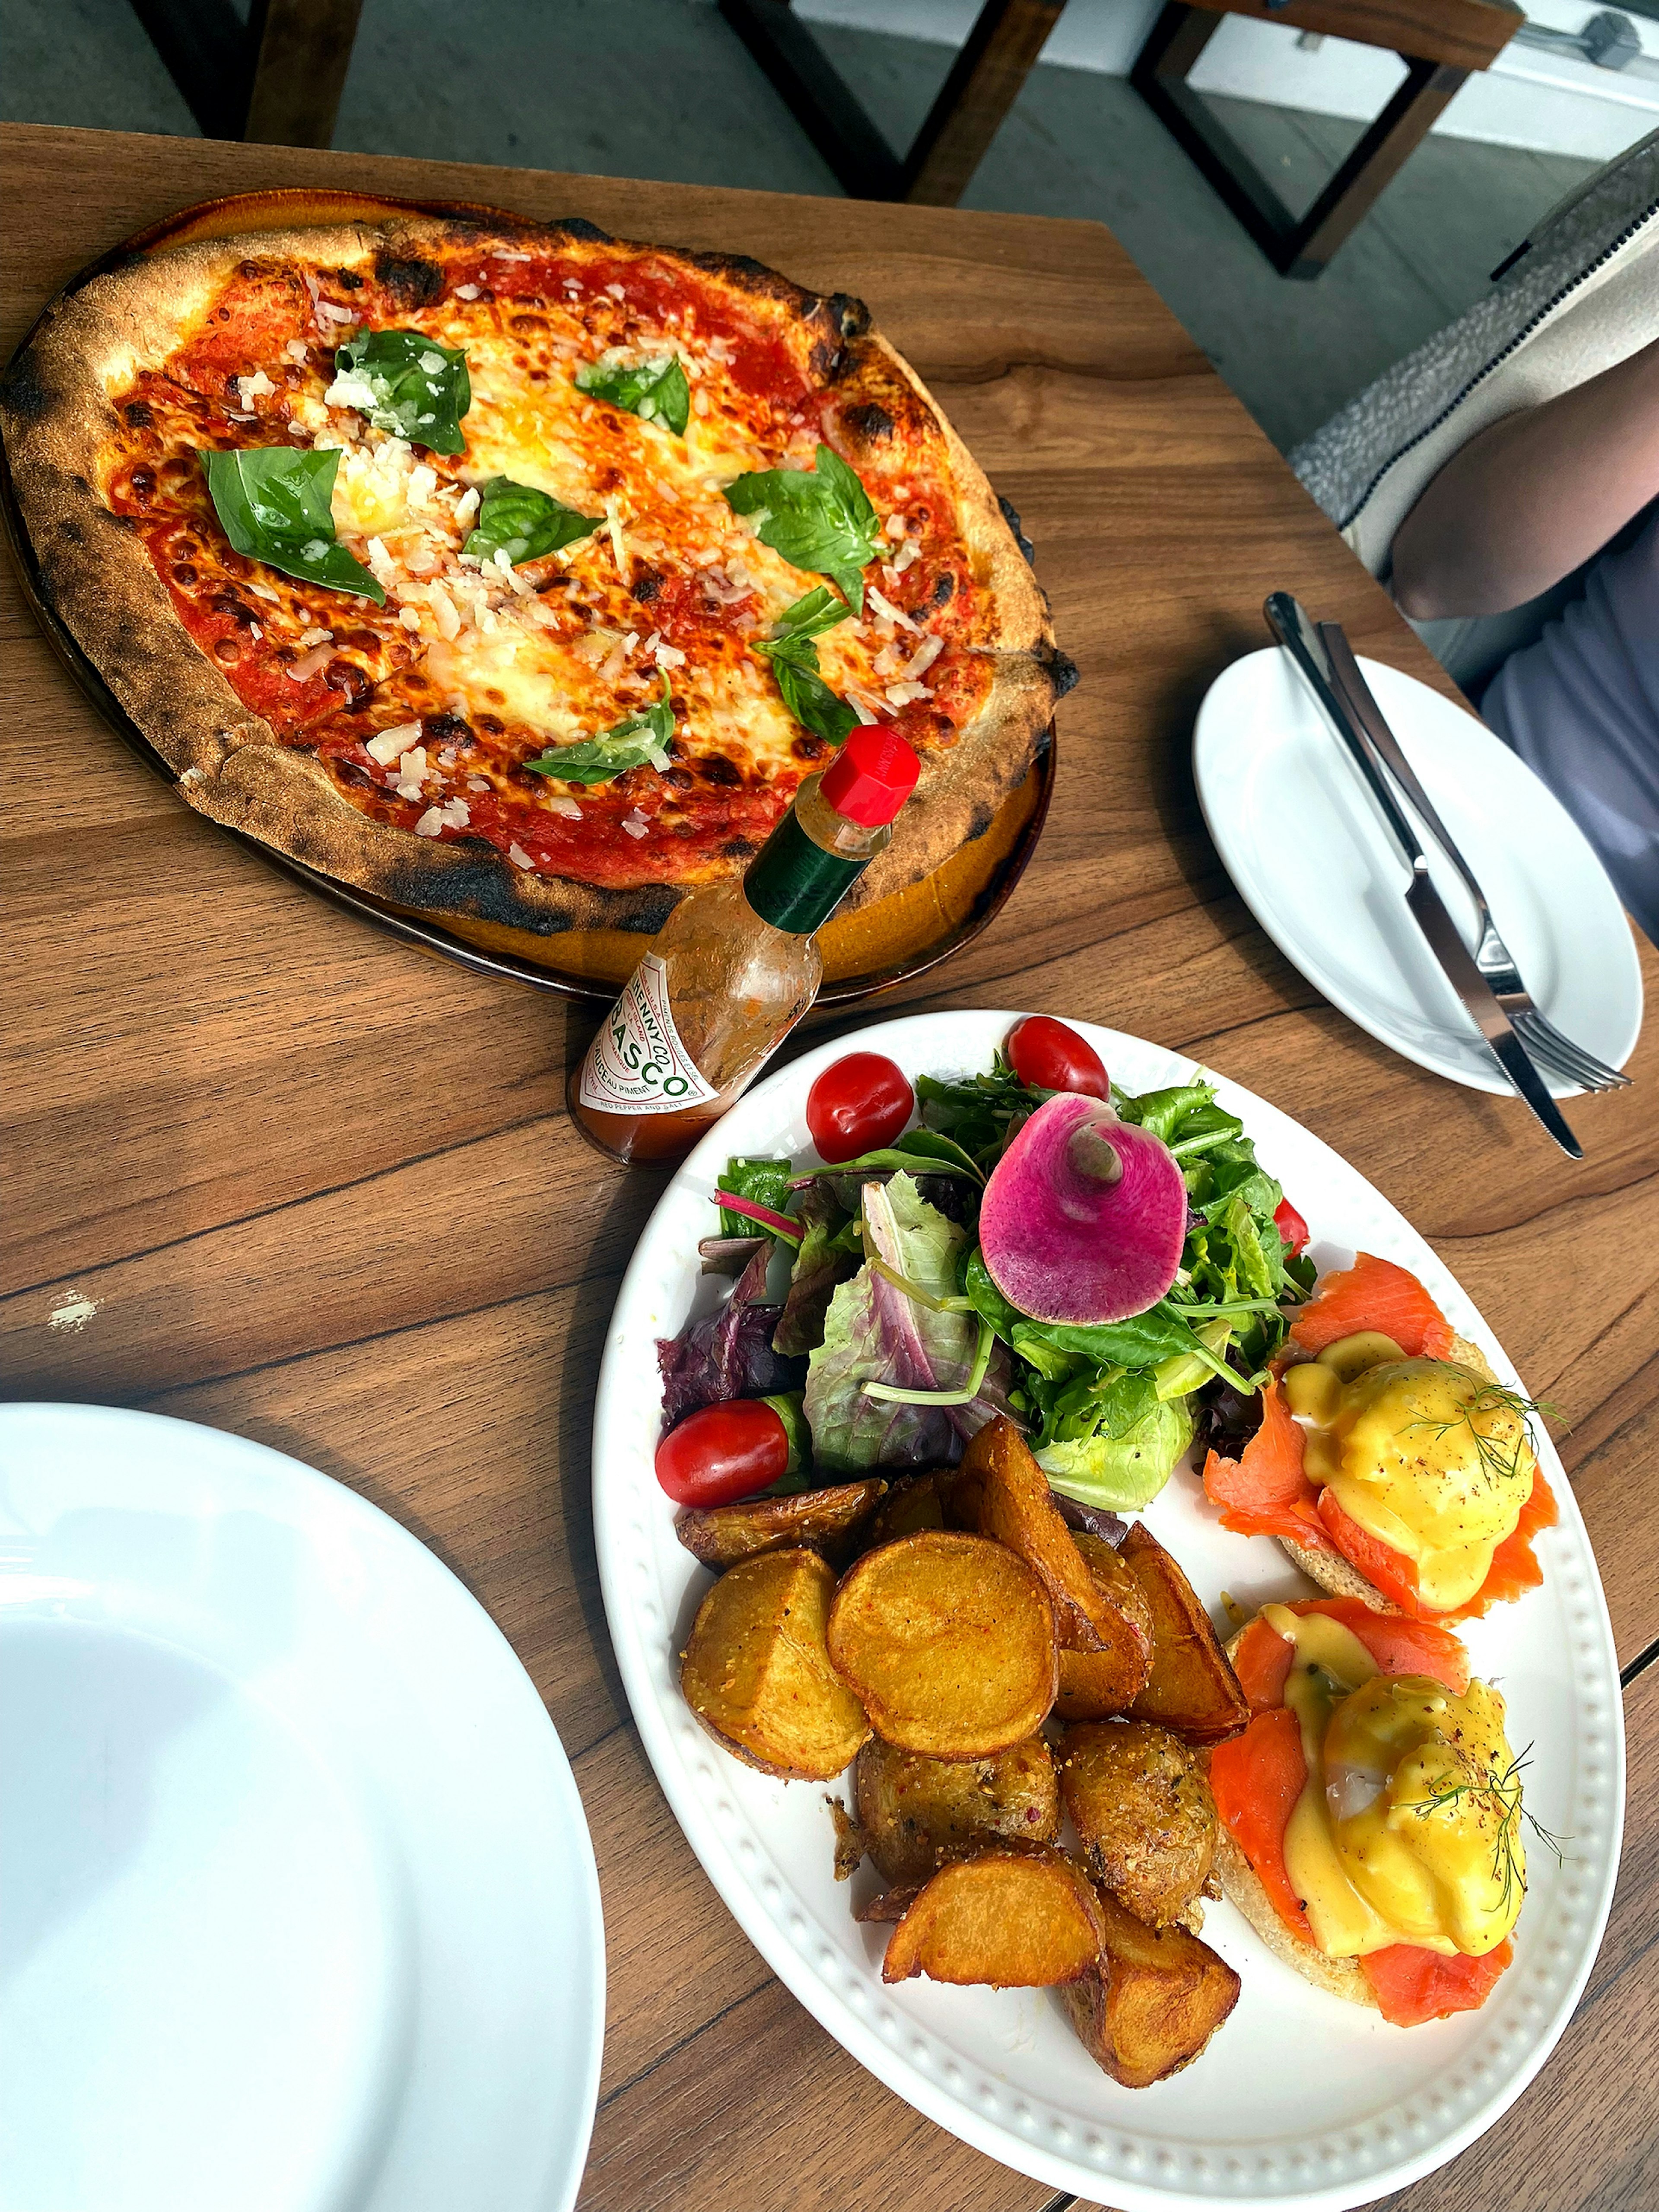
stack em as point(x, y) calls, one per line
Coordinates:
point(1301, 2100)
point(1305, 843)
point(301, 1911)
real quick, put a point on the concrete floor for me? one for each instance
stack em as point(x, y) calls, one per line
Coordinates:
point(663, 89)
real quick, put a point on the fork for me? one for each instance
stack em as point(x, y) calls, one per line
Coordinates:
point(1492, 957)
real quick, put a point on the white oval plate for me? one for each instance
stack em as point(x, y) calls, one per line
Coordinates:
point(1303, 841)
point(301, 1911)
point(1301, 2100)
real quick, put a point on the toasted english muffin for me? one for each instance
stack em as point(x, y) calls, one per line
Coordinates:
point(1339, 1577)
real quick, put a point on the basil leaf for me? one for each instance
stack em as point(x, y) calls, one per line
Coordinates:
point(818, 519)
point(811, 702)
point(523, 523)
point(794, 661)
point(273, 501)
point(655, 391)
point(630, 743)
point(809, 618)
point(411, 384)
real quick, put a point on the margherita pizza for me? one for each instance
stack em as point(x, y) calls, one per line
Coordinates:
point(516, 572)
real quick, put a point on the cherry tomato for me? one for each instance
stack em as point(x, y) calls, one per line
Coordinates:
point(1290, 1226)
point(723, 1452)
point(858, 1104)
point(1049, 1056)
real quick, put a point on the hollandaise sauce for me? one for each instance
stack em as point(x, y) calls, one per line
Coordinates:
point(1407, 1829)
point(1423, 1455)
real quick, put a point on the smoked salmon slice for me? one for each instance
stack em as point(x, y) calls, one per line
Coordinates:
point(1373, 1294)
point(1399, 1647)
point(1513, 1570)
point(1265, 1491)
point(1255, 1779)
point(1412, 1985)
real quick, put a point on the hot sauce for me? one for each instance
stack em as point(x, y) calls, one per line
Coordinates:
point(735, 967)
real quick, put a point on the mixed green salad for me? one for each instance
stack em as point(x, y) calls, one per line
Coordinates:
point(892, 1344)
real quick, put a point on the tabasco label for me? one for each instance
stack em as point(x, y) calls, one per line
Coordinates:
point(636, 1064)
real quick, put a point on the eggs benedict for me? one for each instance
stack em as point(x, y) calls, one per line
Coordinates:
point(1392, 1466)
point(1371, 1814)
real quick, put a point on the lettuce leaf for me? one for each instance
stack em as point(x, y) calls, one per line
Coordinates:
point(728, 1354)
point(873, 1333)
point(1121, 1472)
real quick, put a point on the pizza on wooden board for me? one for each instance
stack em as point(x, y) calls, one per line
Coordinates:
point(516, 572)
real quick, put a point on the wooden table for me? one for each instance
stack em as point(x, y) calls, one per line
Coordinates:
point(322, 1192)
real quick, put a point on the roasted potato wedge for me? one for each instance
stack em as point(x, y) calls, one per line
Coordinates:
point(1093, 1684)
point(825, 1521)
point(1153, 2000)
point(948, 1641)
point(1143, 1813)
point(1191, 1688)
point(910, 1505)
point(1010, 1497)
point(915, 1813)
point(756, 1671)
point(887, 1906)
point(1019, 1920)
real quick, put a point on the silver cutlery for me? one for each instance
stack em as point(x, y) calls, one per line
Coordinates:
point(1289, 622)
point(1491, 956)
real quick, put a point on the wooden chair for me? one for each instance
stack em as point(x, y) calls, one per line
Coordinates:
point(277, 79)
point(983, 84)
point(1440, 42)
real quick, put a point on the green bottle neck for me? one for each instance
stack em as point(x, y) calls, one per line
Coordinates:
point(794, 884)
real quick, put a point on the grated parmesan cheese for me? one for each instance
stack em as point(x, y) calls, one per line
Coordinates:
point(885, 608)
point(387, 744)
point(430, 823)
point(519, 857)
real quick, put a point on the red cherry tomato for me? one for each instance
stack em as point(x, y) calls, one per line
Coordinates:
point(723, 1452)
point(1290, 1226)
point(858, 1104)
point(1049, 1056)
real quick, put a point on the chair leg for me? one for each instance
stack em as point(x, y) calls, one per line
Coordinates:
point(984, 82)
point(302, 50)
point(1374, 163)
point(1298, 247)
point(277, 79)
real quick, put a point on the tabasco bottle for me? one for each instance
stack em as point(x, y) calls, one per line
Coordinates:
point(735, 966)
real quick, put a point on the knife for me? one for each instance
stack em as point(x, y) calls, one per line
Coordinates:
point(1289, 622)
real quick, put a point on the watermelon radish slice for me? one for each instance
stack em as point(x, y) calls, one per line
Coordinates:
point(1083, 1217)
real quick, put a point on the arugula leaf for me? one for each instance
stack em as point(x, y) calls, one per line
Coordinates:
point(274, 503)
point(412, 386)
point(628, 744)
point(819, 518)
point(655, 391)
point(525, 524)
point(766, 1181)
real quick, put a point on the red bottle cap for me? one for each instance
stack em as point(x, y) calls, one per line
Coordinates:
point(871, 777)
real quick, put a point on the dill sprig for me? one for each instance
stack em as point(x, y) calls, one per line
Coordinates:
point(1496, 1458)
point(1502, 1792)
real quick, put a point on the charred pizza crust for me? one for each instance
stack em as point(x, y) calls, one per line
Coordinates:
point(58, 422)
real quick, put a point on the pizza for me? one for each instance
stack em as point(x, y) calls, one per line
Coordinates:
point(517, 572)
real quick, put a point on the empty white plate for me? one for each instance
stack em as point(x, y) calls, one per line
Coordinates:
point(1304, 841)
point(301, 1912)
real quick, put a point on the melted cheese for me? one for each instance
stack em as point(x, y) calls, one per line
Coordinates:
point(1421, 1454)
point(1407, 1827)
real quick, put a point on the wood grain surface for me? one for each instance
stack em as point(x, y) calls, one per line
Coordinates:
point(317, 1189)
